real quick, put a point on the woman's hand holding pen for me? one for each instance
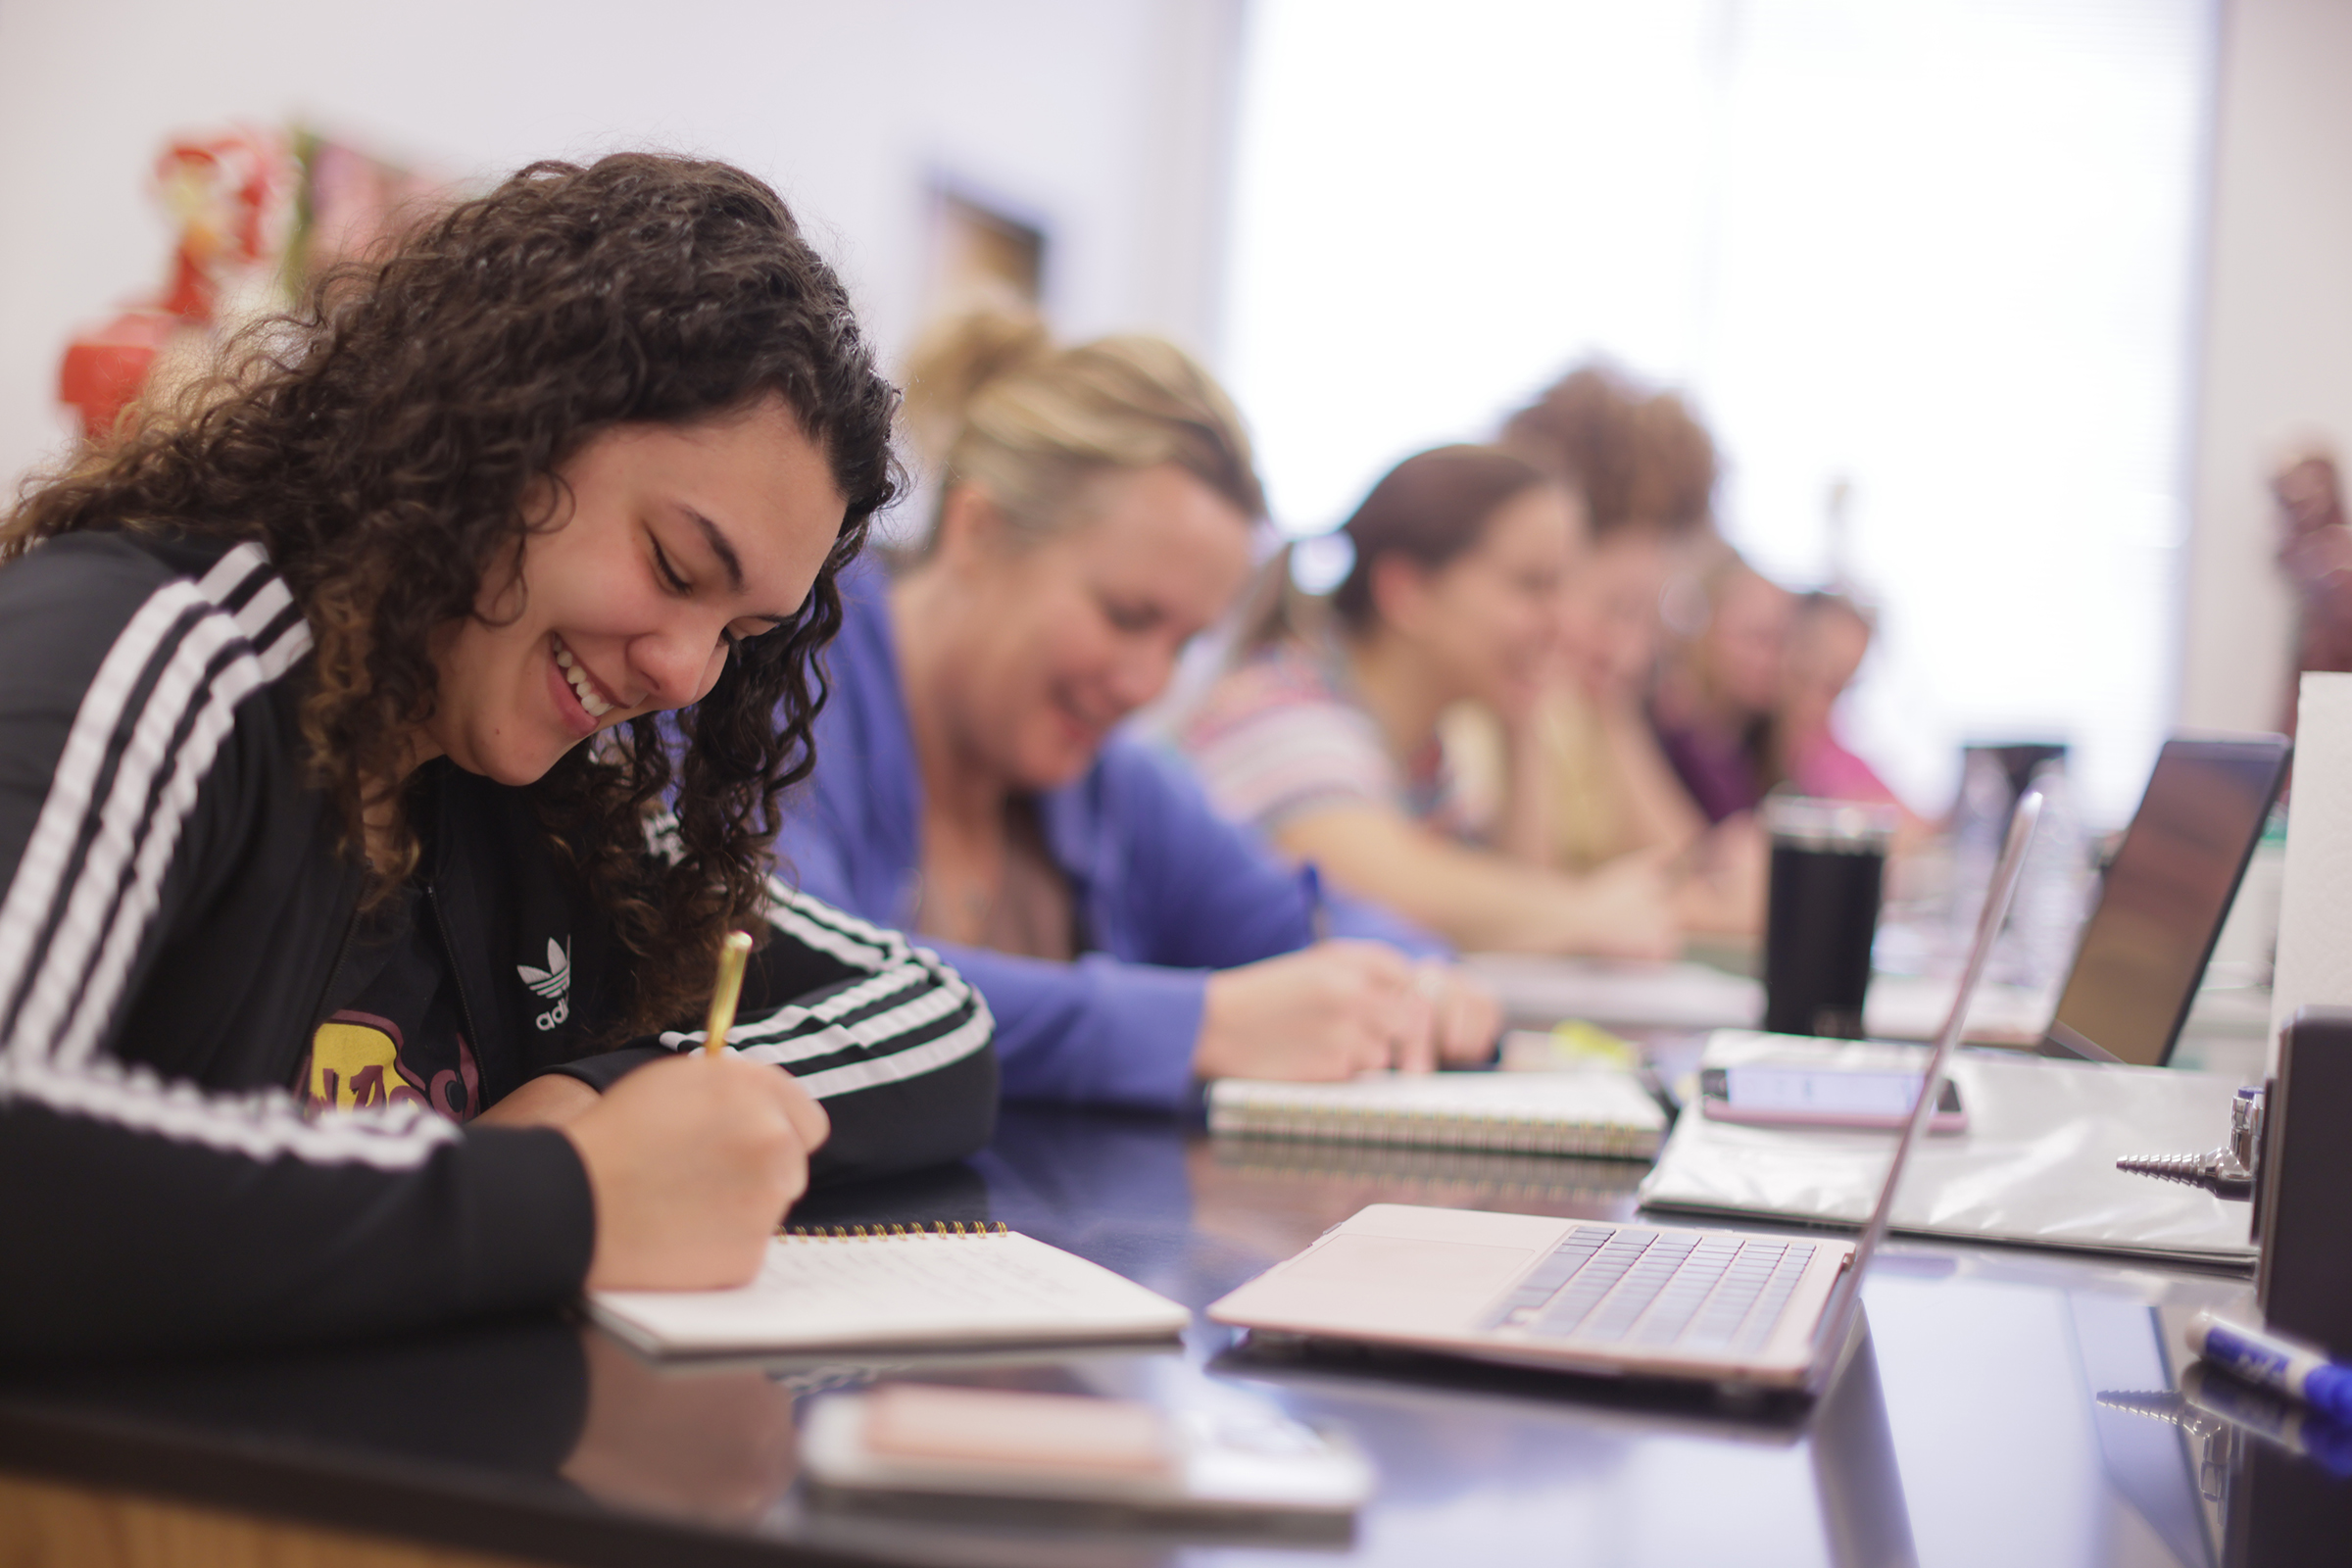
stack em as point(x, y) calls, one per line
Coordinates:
point(1337, 1008)
point(692, 1161)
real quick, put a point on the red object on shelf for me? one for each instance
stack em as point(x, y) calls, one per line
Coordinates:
point(103, 370)
point(227, 193)
point(230, 197)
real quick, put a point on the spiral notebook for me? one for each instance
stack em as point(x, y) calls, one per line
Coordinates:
point(896, 1288)
point(1605, 1114)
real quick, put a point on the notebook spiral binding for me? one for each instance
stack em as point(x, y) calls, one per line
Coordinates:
point(876, 1233)
point(1445, 1129)
point(1434, 1170)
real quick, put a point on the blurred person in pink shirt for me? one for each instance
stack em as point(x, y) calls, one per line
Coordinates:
point(1828, 637)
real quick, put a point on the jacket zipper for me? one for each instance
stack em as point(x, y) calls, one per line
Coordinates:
point(457, 974)
point(326, 990)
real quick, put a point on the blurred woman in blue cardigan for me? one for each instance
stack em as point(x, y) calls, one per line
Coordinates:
point(1093, 514)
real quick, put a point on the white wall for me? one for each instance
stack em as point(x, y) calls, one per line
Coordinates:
point(1109, 118)
point(2277, 336)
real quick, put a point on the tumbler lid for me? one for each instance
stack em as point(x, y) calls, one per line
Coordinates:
point(1849, 827)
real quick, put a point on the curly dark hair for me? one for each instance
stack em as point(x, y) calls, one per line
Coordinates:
point(391, 440)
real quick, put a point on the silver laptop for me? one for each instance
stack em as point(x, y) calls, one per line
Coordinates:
point(1729, 1307)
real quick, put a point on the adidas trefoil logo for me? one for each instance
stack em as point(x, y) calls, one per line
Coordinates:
point(553, 982)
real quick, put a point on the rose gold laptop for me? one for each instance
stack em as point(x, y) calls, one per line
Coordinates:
point(1729, 1307)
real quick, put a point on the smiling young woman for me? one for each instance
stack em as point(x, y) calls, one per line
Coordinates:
point(636, 592)
point(388, 742)
point(1093, 513)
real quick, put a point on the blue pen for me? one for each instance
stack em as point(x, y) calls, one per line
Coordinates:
point(2296, 1428)
point(2295, 1370)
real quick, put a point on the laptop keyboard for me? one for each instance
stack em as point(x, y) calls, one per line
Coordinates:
point(1645, 1288)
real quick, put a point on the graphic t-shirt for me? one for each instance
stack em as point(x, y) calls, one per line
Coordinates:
point(400, 1038)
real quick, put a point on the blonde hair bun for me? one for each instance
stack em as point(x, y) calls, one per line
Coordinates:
point(958, 356)
point(992, 402)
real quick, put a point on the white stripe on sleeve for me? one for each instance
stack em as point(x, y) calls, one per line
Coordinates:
point(49, 1054)
point(33, 890)
point(260, 1124)
point(187, 686)
point(145, 893)
point(852, 1076)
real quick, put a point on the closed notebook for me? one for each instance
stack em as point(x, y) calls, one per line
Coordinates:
point(903, 1289)
point(1605, 1114)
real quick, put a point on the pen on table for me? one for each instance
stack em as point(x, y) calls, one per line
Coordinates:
point(2211, 1402)
point(2260, 1358)
point(724, 995)
point(2294, 1427)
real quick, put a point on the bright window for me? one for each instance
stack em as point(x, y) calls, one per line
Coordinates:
point(1943, 250)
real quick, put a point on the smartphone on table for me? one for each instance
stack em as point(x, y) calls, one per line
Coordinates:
point(1820, 1097)
point(905, 1439)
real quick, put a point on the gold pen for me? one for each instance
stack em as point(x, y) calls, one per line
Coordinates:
point(729, 989)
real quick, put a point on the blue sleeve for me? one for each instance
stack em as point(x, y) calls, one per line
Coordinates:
point(811, 857)
point(1201, 891)
point(1099, 1031)
point(1218, 894)
point(1346, 915)
point(850, 832)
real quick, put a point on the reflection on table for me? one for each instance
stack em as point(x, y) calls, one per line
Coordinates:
point(1968, 1427)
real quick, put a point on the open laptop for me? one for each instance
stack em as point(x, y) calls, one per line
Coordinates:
point(1734, 1308)
point(2144, 950)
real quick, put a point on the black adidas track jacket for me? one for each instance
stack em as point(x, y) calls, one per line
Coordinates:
point(173, 906)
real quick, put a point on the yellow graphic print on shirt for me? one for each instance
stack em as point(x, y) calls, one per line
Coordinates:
point(356, 1063)
point(352, 1065)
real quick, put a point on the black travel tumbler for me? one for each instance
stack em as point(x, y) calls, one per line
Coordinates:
point(1828, 862)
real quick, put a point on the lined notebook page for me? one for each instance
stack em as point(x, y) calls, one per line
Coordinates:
point(896, 1292)
point(1529, 1112)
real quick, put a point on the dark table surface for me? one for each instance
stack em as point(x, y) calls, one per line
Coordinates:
point(1968, 1429)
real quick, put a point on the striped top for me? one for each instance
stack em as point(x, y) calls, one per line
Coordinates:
point(1285, 735)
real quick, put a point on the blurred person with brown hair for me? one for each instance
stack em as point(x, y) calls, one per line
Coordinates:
point(2315, 550)
point(1588, 760)
point(1721, 684)
point(1828, 636)
point(1093, 513)
point(1326, 732)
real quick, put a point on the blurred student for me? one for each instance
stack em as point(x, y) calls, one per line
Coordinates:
point(1720, 687)
point(1094, 515)
point(345, 974)
point(1326, 732)
point(1828, 636)
point(1646, 471)
point(2315, 552)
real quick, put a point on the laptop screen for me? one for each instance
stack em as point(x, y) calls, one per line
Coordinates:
point(2144, 948)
